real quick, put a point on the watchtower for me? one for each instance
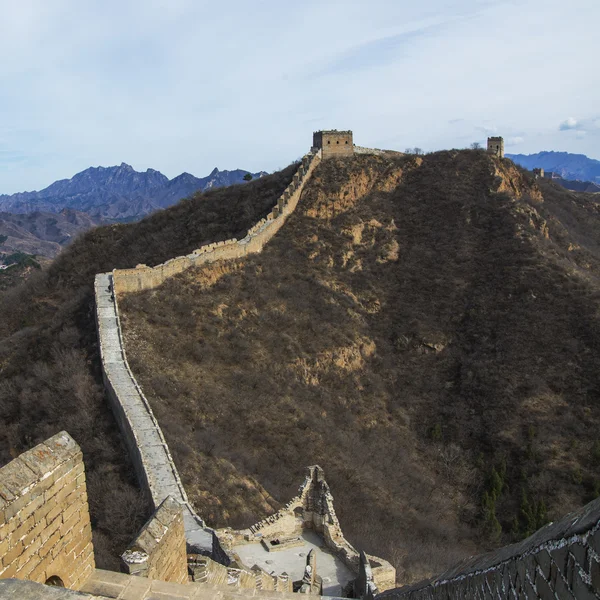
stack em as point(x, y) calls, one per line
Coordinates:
point(495, 145)
point(333, 143)
point(538, 172)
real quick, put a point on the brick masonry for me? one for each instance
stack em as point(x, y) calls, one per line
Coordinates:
point(159, 551)
point(333, 143)
point(559, 561)
point(495, 145)
point(45, 529)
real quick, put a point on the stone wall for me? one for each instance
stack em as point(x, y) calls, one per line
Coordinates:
point(376, 151)
point(145, 278)
point(334, 143)
point(561, 560)
point(45, 529)
point(159, 551)
point(147, 447)
point(150, 454)
point(313, 508)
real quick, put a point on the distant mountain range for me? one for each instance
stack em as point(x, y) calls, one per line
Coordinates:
point(568, 166)
point(42, 222)
point(117, 193)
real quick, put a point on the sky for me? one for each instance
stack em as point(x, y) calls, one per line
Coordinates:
point(187, 85)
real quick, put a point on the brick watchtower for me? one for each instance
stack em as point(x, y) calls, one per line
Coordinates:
point(333, 143)
point(495, 145)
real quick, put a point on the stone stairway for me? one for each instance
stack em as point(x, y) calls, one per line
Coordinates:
point(107, 584)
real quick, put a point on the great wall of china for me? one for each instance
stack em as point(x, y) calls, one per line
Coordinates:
point(45, 532)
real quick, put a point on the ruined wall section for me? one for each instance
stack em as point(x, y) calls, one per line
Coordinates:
point(159, 551)
point(45, 529)
point(145, 278)
point(312, 508)
point(561, 560)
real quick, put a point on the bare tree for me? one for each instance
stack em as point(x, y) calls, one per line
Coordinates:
point(418, 150)
point(475, 146)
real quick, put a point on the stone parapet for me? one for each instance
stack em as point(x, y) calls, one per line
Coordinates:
point(561, 560)
point(159, 551)
point(145, 278)
point(45, 530)
point(145, 441)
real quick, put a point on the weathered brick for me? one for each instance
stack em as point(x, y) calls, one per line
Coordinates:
point(69, 487)
point(55, 510)
point(72, 504)
point(15, 478)
point(51, 528)
point(544, 560)
point(25, 527)
point(561, 589)
point(34, 533)
point(544, 590)
point(68, 526)
point(32, 507)
point(559, 557)
point(12, 555)
point(50, 544)
point(28, 553)
point(580, 589)
point(579, 552)
point(8, 570)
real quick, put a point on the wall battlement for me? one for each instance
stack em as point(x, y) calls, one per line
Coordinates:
point(145, 278)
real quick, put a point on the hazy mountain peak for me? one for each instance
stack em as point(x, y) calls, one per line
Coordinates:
point(117, 192)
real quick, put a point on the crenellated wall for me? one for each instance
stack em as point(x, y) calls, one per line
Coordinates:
point(152, 459)
point(559, 561)
point(145, 278)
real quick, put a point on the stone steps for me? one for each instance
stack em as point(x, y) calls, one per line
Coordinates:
point(107, 584)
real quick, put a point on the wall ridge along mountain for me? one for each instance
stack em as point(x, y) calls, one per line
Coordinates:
point(150, 454)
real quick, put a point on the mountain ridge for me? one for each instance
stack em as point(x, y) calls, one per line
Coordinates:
point(117, 193)
point(568, 165)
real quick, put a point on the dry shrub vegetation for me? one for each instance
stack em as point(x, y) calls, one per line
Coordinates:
point(50, 376)
point(424, 328)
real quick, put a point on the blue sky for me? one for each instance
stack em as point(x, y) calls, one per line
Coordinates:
point(187, 85)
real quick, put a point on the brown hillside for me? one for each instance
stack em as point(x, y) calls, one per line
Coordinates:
point(49, 364)
point(424, 328)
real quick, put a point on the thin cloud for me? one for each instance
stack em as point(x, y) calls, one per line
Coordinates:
point(570, 123)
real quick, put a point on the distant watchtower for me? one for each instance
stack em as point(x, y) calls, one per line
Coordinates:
point(496, 146)
point(333, 143)
point(538, 172)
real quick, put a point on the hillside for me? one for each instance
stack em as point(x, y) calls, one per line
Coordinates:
point(118, 193)
point(424, 328)
point(49, 366)
point(567, 165)
point(42, 233)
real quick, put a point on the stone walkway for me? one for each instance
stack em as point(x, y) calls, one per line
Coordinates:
point(138, 425)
